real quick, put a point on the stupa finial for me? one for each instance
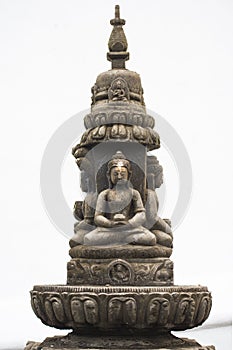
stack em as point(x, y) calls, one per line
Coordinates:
point(117, 43)
point(117, 11)
point(117, 20)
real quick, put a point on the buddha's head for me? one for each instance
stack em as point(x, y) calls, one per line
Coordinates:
point(154, 173)
point(119, 169)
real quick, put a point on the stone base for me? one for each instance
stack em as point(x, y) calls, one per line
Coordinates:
point(134, 272)
point(118, 308)
point(98, 342)
point(120, 252)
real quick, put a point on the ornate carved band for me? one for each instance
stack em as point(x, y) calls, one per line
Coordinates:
point(120, 132)
point(169, 308)
point(118, 113)
point(120, 272)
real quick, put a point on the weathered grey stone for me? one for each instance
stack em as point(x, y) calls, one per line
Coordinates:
point(117, 342)
point(140, 272)
point(120, 216)
point(121, 252)
point(117, 112)
point(109, 308)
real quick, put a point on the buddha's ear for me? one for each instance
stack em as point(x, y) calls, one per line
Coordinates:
point(129, 173)
point(109, 179)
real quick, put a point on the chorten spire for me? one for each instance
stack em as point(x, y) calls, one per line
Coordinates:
point(117, 43)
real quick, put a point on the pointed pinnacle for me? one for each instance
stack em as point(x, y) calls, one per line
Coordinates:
point(117, 21)
point(117, 42)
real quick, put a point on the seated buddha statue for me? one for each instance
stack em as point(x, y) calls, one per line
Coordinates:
point(120, 214)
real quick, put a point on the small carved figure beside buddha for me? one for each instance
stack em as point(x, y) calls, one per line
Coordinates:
point(160, 227)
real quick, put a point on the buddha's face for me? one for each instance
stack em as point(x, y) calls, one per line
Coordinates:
point(119, 175)
point(159, 180)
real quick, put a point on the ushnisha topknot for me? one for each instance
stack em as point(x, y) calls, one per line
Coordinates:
point(153, 165)
point(119, 159)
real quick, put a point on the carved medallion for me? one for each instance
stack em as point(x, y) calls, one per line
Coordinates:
point(119, 272)
point(119, 90)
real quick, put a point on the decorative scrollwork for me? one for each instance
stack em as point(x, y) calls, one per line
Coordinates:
point(164, 272)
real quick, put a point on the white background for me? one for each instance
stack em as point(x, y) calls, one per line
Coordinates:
point(51, 53)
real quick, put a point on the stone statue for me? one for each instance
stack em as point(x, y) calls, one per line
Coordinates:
point(120, 213)
point(160, 227)
point(84, 210)
point(120, 291)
